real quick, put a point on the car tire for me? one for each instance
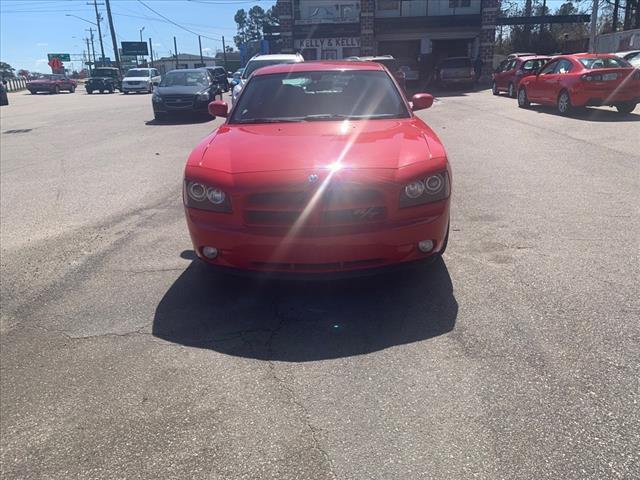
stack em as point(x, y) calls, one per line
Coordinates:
point(563, 105)
point(523, 100)
point(625, 108)
point(32, 92)
point(126, 92)
point(89, 92)
point(111, 90)
point(102, 91)
point(512, 90)
point(56, 90)
point(494, 89)
point(72, 89)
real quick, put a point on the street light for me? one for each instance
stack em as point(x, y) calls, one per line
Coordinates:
point(80, 18)
point(141, 30)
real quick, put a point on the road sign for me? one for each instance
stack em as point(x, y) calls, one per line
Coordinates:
point(134, 48)
point(64, 57)
point(55, 64)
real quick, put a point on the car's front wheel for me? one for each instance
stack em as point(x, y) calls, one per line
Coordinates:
point(494, 89)
point(126, 92)
point(89, 92)
point(564, 103)
point(56, 90)
point(626, 108)
point(523, 100)
point(512, 91)
point(110, 90)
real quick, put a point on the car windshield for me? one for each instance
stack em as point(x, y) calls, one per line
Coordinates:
point(456, 63)
point(185, 79)
point(104, 72)
point(311, 96)
point(603, 62)
point(137, 73)
point(253, 65)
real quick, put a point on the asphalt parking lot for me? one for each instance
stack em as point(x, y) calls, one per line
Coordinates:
point(517, 357)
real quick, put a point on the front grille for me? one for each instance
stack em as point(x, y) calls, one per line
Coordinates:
point(344, 205)
point(178, 101)
point(132, 83)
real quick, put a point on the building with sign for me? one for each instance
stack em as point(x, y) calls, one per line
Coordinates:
point(417, 32)
point(185, 60)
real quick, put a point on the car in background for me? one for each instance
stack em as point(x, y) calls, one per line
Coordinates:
point(321, 167)
point(455, 71)
point(573, 81)
point(508, 77)
point(388, 61)
point(259, 61)
point(219, 75)
point(104, 79)
point(631, 56)
point(52, 83)
point(184, 91)
point(511, 56)
point(4, 98)
point(235, 78)
point(140, 80)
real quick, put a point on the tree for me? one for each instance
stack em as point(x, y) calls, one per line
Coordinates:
point(241, 21)
point(251, 25)
point(6, 70)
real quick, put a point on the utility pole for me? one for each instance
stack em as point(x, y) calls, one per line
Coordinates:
point(614, 20)
point(200, 45)
point(151, 51)
point(594, 26)
point(93, 48)
point(113, 34)
point(175, 47)
point(637, 25)
point(544, 12)
point(224, 54)
point(141, 56)
point(88, 54)
point(95, 5)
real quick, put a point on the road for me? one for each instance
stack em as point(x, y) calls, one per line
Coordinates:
point(517, 357)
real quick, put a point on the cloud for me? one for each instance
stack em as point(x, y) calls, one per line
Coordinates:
point(207, 49)
point(41, 61)
point(42, 44)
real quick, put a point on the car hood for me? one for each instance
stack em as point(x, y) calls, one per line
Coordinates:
point(179, 90)
point(136, 79)
point(306, 145)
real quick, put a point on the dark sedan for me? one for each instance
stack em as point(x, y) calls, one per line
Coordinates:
point(184, 91)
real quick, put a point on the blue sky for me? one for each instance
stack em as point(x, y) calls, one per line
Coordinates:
point(29, 29)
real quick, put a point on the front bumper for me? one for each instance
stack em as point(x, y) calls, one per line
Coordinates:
point(144, 87)
point(262, 251)
point(192, 107)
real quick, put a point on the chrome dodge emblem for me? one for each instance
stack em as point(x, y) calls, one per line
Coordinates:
point(313, 178)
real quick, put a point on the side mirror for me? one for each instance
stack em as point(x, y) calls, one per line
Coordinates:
point(420, 101)
point(218, 108)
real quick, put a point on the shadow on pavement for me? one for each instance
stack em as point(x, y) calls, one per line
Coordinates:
point(180, 120)
point(592, 114)
point(305, 321)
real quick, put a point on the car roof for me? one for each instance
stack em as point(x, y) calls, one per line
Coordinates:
point(317, 67)
point(590, 55)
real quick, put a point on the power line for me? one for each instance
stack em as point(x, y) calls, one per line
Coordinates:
point(175, 23)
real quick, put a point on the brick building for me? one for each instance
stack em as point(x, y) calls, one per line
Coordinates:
point(419, 32)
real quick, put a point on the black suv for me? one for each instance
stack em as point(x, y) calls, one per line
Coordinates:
point(220, 77)
point(104, 79)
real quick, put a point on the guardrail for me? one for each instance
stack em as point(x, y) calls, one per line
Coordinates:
point(15, 84)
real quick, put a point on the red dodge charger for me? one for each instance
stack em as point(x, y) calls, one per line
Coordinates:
point(320, 167)
point(572, 81)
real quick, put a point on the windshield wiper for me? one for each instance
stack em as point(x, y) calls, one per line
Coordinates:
point(269, 120)
point(325, 116)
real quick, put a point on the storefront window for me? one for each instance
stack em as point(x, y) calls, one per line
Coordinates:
point(310, 54)
point(349, 52)
point(327, 11)
point(329, 55)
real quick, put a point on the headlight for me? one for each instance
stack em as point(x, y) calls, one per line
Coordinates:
point(414, 189)
point(203, 97)
point(431, 189)
point(206, 197)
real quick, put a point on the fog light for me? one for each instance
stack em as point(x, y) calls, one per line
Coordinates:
point(425, 246)
point(210, 252)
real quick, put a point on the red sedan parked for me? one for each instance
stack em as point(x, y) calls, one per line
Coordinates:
point(507, 78)
point(572, 81)
point(52, 83)
point(320, 167)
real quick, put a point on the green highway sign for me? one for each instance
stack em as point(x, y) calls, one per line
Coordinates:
point(64, 57)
